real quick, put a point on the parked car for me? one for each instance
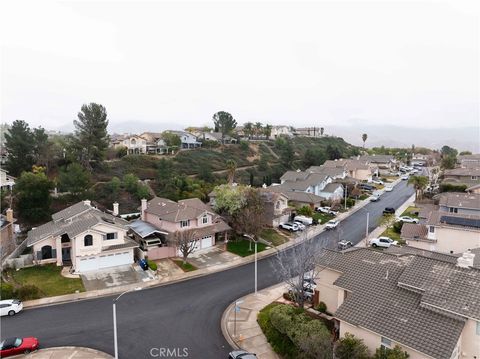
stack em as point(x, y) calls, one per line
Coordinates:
point(241, 354)
point(407, 219)
point(15, 346)
point(292, 227)
point(143, 264)
point(300, 225)
point(388, 188)
point(304, 219)
point(366, 186)
point(389, 210)
point(309, 282)
point(322, 209)
point(405, 177)
point(332, 224)
point(10, 307)
point(344, 244)
point(308, 293)
point(375, 197)
point(377, 181)
point(382, 242)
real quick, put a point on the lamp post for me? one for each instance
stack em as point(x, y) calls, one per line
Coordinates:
point(115, 341)
point(252, 239)
point(366, 230)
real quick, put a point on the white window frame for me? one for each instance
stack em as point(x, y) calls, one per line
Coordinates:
point(205, 219)
point(385, 343)
point(184, 224)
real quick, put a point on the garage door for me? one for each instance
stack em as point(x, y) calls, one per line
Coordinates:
point(105, 261)
point(207, 242)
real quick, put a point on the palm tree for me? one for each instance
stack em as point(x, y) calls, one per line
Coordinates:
point(267, 131)
point(231, 168)
point(419, 183)
point(248, 129)
point(258, 129)
point(364, 138)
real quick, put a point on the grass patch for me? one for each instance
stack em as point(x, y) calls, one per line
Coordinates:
point(48, 279)
point(411, 212)
point(272, 236)
point(392, 234)
point(363, 197)
point(187, 267)
point(241, 247)
point(322, 217)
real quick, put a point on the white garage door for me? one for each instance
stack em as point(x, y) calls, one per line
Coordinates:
point(206, 242)
point(105, 261)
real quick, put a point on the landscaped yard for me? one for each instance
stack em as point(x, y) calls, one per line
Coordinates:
point(47, 279)
point(411, 212)
point(187, 267)
point(392, 234)
point(322, 217)
point(272, 236)
point(241, 247)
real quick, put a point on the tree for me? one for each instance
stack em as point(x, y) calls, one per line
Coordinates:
point(333, 153)
point(113, 186)
point(364, 139)
point(258, 127)
point(74, 179)
point(41, 147)
point(224, 123)
point(448, 162)
point(322, 130)
point(350, 347)
point(286, 151)
point(205, 173)
point(465, 153)
point(292, 267)
point(387, 220)
point(121, 151)
point(171, 139)
point(419, 183)
point(33, 196)
point(248, 129)
point(130, 182)
point(248, 219)
point(448, 151)
point(267, 131)
point(19, 144)
point(184, 241)
point(91, 133)
point(231, 168)
point(314, 156)
point(386, 353)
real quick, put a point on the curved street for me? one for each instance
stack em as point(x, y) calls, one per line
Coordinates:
point(176, 316)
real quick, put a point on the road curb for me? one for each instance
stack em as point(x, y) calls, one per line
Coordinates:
point(69, 352)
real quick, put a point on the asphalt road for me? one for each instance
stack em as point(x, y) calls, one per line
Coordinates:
point(179, 316)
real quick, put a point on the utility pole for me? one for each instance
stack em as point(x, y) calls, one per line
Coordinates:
point(366, 231)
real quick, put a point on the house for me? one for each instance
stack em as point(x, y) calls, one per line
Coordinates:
point(426, 305)
point(135, 144)
point(384, 163)
point(451, 227)
point(474, 189)
point(469, 161)
point(83, 236)
point(462, 176)
point(275, 208)
point(279, 131)
point(187, 139)
point(163, 218)
point(307, 132)
point(216, 137)
point(360, 170)
point(298, 198)
point(7, 234)
point(332, 192)
point(6, 181)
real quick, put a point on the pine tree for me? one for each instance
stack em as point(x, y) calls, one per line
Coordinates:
point(19, 145)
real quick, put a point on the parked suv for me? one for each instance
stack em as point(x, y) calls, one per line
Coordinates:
point(241, 354)
point(292, 227)
point(382, 242)
point(389, 210)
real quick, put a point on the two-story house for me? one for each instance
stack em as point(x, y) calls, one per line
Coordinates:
point(426, 305)
point(359, 170)
point(462, 176)
point(6, 181)
point(384, 163)
point(187, 139)
point(279, 131)
point(469, 161)
point(135, 144)
point(451, 227)
point(168, 217)
point(275, 207)
point(84, 237)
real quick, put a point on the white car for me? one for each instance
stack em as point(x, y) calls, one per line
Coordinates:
point(323, 209)
point(382, 242)
point(332, 224)
point(308, 221)
point(377, 181)
point(300, 225)
point(405, 177)
point(388, 188)
point(10, 307)
point(292, 227)
point(375, 197)
point(407, 219)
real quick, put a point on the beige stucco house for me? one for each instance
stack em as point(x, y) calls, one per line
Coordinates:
point(427, 305)
point(6, 181)
point(84, 237)
point(361, 170)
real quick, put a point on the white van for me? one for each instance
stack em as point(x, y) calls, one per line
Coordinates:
point(304, 219)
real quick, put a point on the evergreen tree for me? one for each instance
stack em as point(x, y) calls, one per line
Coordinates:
point(33, 196)
point(74, 179)
point(224, 123)
point(19, 145)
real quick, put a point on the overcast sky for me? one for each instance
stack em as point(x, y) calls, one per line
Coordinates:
point(404, 63)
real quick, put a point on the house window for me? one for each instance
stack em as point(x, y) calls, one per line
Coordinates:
point(474, 178)
point(386, 343)
point(453, 210)
point(431, 229)
point(184, 223)
point(88, 240)
point(111, 236)
point(204, 220)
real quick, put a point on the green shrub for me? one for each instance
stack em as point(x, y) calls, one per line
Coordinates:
point(448, 187)
point(244, 145)
point(287, 296)
point(6, 291)
point(305, 211)
point(397, 227)
point(351, 347)
point(321, 307)
point(152, 265)
point(350, 202)
point(281, 317)
point(28, 292)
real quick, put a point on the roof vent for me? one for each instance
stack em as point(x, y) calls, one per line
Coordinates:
point(466, 260)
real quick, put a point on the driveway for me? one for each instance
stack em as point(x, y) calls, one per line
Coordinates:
point(166, 268)
point(112, 277)
point(211, 256)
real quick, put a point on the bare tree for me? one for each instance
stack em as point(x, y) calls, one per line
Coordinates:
point(184, 241)
point(295, 265)
point(248, 219)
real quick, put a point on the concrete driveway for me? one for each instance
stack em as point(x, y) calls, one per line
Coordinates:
point(211, 256)
point(112, 277)
point(166, 268)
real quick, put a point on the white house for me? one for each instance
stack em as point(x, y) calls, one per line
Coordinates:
point(6, 181)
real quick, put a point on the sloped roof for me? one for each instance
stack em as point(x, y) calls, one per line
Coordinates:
point(462, 172)
point(71, 211)
point(144, 229)
point(408, 250)
point(460, 200)
point(294, 176)
point(414, 231)
point(379, 301)
point(332, 187)
point(171, 211)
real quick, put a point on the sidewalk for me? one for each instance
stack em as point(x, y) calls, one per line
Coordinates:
point(240, 328)
point(66, 352)
point(312, 232)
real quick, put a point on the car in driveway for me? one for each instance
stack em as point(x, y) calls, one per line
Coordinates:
point(308, 221)
point(407, 219)
point(332, 224)
point(344, 244)
point(289, 226)
point(366, 187)
point(326, 210)
point(377, 181)
point(383, 242)
point(405, 177)
point(308, 292)
point(10, 307)
point(16, 346)
point(301, 226)
point(389, 210)
point(241, 354)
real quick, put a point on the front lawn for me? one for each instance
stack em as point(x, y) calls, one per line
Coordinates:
point(241, 247)
point(48, 279)
point(272, 236)
point(363, 197)
point(187, 267)
point(322, 217)
point(411, 212)
point(392, 234)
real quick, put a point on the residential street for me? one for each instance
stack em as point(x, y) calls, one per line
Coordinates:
point(181, 315)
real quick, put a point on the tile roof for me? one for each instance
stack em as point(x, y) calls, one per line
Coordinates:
point(294, 176)
point(414, 231)
point(129, 243)
point(407, 298)
point(460, 200)
point(442, 218)
point(462, 172)
point(175, 212)
point(377, 158)
point(296, 196)
point(71, 211)
point(406, 250)
point(332, 187)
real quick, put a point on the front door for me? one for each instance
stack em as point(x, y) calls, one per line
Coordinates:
point(66, 254)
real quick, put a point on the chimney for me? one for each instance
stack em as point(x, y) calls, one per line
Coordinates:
point(144, 207)
point(87, 203)
point(9, 214)
point(115, 209)
point(466, 260)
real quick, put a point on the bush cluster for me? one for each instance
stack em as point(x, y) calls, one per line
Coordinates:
point(152, 265)
point(25, 292)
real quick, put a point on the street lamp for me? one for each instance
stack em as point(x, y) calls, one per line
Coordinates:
point(252, 239)
point(115, 342)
